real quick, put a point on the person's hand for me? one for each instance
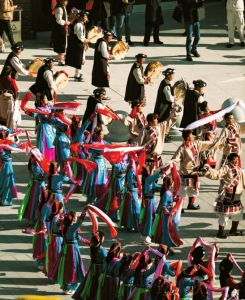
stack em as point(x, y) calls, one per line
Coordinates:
point(111, 56)
point(67, 23)
point(31, 75)
point(85, 41)
point(125, 1)
point(15, 6)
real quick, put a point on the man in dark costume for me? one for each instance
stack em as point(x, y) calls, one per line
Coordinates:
point(135, 90)
point(153, 19)
point(45, 81)
point(75, 54)
point(191, 103)
point(165, 98)
point(101, 72)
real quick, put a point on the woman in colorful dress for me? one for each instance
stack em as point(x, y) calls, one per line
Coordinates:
point(166, 270)
point(88, 288)
point(8, 188)
point(161, 227)
point(129, 209)
point(185, 281)
point(143, 277)
point(29, 207)
point(55, 238)
point(68, 268)
point(163, 290)
point(42, 227)
point(148, 206)
point(45, 130)
point(109, 279)
point(96, 182)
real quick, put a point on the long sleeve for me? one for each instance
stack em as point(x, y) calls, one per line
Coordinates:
point(59, 15)
point(139, 141)
point(167, 269)
point(103, 49)
point(127, 121)
point(6, 7)
point(103, 119)
point(138, 75)
point(80, 32)
point(217, 174)
point(230, 282)
point(177, 157)
point(150, 271)
point(152, 178)
point(167, 93)
point(48, 76)
point(19, 67)
point(169, 123)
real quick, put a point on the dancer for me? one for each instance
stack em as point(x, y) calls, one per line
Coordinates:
point(191, 103)
point(135, 90)
point(167, 217)
point(60, 31)
point(68, 268)
point(45, 130)
point(42, 227)
point(108, 280)
point(101, 72)
point(36, 186)
point(55, 239)
point(77, 42)
point(228, 203)
point(186, 281)
point(87, 290)
point(164, 290)
point(167, 269)
point(148, 206)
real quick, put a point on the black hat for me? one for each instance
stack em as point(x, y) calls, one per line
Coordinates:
point(49, 60)
point(82, 13)
point(141, 55)
point(199, 83)
point(109, 33)
point(198, 252)
point(168, 71)
point(99, 92)
point(17, 46)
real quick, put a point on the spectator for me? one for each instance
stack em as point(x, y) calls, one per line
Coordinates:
point(124, 13)
point(6, 16)
point(153, 19)
point(235, 18)
point(101, 10)
point(192, 26)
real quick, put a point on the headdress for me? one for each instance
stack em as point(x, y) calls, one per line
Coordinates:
point(198, 252)
point(141, 55)
point(108, 33)
point(48, 60)
point(99, 92)
point(17, 46)
point(199, 83)
point(82, 13)
point(168, 71)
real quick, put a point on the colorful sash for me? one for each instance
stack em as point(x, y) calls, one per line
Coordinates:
point(152, 143)
point(230, 189)
point(140, 120)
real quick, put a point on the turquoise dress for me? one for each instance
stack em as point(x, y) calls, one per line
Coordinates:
point(185, 285)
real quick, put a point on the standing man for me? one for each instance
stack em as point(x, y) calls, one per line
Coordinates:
point(153, 19)
point(15, 63)
point(124, 15)
point(135, 90)
point(235, 18)
point(75, 54)
point(192, 26)
point(228, 203)
point(6, 16)
point(101, 72)
point(191, 103)
point(45, 81)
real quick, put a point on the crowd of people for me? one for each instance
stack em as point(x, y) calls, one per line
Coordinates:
point(72, 150)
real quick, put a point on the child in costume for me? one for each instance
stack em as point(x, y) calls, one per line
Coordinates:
point(32, 199)
point(87, 290)
point(166, 223)
point(68, 268)
point(55, 238)
point(108, 280)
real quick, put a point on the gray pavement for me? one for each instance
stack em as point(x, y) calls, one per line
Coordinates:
point(223, 70)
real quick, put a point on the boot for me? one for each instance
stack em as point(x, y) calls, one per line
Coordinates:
point(220, 233)
point(191, 204)
point(233, 230)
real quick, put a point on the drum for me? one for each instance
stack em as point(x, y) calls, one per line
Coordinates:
point(61, 79)
point(73, 14)
point(180, 87)
point(94, 34)
point(35, 65)
point(153, 70)
point(119, 50)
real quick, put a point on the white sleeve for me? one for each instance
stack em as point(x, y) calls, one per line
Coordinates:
point(103, 119)
point(79, 31)
point(200, 99)
point(59, 15)
point(138, 76)
point(48, 76)
point(19, 67)
point(167, 93)
point(103, 49)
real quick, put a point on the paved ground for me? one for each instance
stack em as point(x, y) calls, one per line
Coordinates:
point(222, 69)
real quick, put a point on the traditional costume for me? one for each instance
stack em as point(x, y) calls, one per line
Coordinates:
point(75, 54)
point(68, 268)
point(191, 104)
point(101, 72)
point(126, 286)
point(165, 97)
point(135, 90)
point(186, 281)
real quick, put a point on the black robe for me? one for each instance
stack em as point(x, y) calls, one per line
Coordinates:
point(191, 111)
point(134, 90)
point(41, 85)
point(59, 34)
point(163, 106)
point(75, 50)
point(99, 72)
point(90, 109)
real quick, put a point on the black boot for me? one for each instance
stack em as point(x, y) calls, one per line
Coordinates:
point(221, 233)
point(234, 231)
